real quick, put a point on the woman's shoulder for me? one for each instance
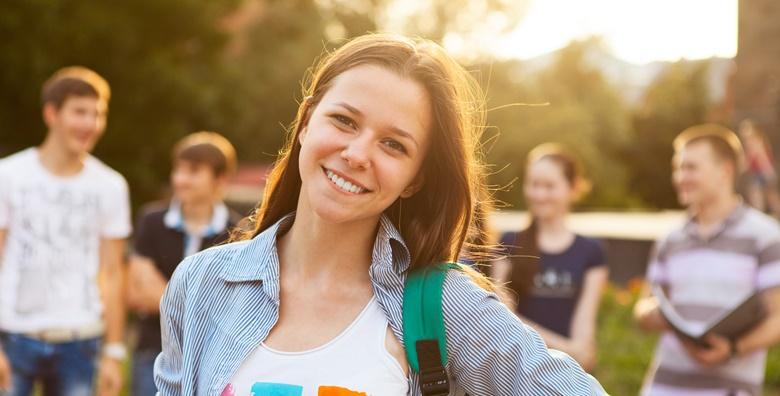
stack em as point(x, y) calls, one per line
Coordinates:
point(586, 240)
point(509, 238)
point(591, 249)
point(588, 243)
point(462, 297)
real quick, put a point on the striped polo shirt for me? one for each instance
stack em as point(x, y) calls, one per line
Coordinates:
point(706, 277)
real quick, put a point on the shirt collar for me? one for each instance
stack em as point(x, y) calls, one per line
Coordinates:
point(258, 259)
point(174, 219)
point(388, 238)
point(690, 227)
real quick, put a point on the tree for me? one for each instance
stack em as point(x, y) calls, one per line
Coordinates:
point(573, 104)
point(165, 74)
point(281, 45)
point(178, 66)
point(676, 100)
point(470, 20)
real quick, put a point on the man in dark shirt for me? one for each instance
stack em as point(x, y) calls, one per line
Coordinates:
point(195, 219)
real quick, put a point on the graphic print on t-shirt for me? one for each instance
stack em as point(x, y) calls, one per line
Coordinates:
point(275, 389)
point(552, 282)
point(54, 245)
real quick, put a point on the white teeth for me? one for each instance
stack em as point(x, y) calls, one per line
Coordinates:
point(343, 184)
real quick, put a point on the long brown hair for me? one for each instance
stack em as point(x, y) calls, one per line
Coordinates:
point(437, 219)
point(527, 264)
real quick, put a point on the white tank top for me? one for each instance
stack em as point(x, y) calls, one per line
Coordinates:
point(354, 363)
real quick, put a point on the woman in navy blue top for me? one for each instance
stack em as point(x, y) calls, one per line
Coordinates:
point(556, 276)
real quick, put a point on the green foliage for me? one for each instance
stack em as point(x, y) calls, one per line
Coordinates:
point(677, 99)
point(280, 46)
point(572, 103)
point(166, 75)
point(625, 351)
point(626, 149)
point(178, 66)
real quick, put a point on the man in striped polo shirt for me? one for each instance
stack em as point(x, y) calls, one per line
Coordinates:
point(725, 252)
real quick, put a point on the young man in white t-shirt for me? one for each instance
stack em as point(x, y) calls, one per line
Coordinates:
point(64, 217)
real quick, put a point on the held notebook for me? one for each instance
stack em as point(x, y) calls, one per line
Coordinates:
point(730, 324)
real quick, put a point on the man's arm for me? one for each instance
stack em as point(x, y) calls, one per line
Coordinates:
point(647, 314)
point(145, 285)
point(767, 333)
point(764, 335)
point(111, 283)
point(5, 365)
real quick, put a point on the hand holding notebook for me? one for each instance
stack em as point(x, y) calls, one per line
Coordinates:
point(730, 324)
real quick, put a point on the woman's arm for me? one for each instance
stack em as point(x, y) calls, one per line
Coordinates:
point(500, 272)
point(491, 352)
point(582, 344)
point(168, 365)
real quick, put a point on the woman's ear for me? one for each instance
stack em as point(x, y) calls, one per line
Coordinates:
point(414, 187)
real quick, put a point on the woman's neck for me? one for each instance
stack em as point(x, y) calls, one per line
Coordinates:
point(552, 225)
point(317, 250)
point(553, 236)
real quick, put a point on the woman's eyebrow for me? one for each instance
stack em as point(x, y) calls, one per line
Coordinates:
point(349, 107)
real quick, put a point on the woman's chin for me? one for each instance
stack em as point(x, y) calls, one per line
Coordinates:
point(341, 215)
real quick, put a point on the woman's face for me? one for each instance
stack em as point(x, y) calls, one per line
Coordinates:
point(547, 192)
point(364, 144)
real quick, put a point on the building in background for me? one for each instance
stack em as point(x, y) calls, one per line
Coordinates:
point(245, 190)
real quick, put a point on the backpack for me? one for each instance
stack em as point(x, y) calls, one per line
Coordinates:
point(423, 324)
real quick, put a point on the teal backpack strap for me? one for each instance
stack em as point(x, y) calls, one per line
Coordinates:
point(423, 323)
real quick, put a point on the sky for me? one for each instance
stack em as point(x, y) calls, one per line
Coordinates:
point(637, 31)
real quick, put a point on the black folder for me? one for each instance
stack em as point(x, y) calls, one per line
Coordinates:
point(731, 324)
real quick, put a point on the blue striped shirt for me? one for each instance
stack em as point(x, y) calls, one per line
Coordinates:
point(222, 302)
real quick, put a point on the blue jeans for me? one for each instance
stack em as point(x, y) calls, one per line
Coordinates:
point(143, 372)
point(63, 369)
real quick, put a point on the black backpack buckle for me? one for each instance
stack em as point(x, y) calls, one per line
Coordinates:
point(433, 376)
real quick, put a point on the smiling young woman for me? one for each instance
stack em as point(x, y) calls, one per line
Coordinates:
point(378, 177)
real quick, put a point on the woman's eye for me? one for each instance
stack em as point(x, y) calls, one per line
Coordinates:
point(344, 120)
point(395, 145)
